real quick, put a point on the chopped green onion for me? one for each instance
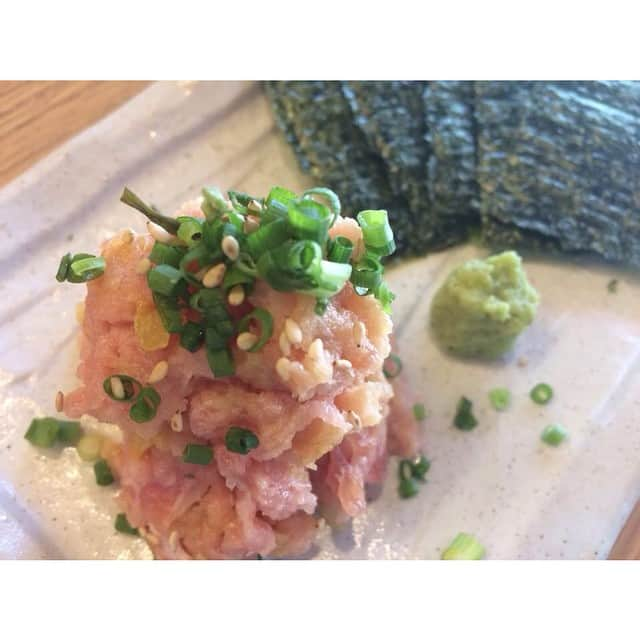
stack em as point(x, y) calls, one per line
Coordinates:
point(340, 249)
point(69, 432)
point(464, 418)
point(239, 440)
point(419, 412)
point(234, 276)
point(385, 296)
point(122, 525)
point(554, 434)
point(392, 366)
point(220, 363)
point(541, 393)
point(329, 280)
point(131, 199)
point(166, 254)
point(376, 231)
point(419, 467)
point(330, 196)
point(309, 220)
point(407, 487)
point(85, 267)
point(277, 204)
point(464, 547)
point(130, 387)
point(197, 454)
point(212, 234)
point(190, 229)
point(214, 204)
point(63, 267)
point(191, 336)
point(169, 313)
point(321, 306)
point(102, 472)
point(164, 279)
point(214, 339)
point(267, 237)
point(241, 199)
point(145, 406)
point(202, 256)
point(367, 273)
point(43, 432)
point(500, 398)
point(208, 299)
point(264, 319)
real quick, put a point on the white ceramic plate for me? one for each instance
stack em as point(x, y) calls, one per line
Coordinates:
point(521, 498)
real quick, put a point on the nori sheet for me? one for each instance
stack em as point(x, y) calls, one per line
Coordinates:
point(551, 166)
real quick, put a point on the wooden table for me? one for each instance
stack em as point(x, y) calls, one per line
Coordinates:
point(35, 117)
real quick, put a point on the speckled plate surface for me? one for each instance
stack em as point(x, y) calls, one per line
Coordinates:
point(520, 497)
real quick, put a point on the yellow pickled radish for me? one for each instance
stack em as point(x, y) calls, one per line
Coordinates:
point(149, 329)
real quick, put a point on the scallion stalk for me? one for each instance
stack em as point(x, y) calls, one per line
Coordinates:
point(131, 199)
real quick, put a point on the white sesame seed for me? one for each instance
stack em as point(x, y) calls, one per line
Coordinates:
point(176, 422)
point(285, 345)
point(158, 372)
point(159, 234)
point(293, 331)
point(254, 206)
point(344, 364)
point(230, 247)
point(283, 368)
point(236, 296)
point(143, 266)
point(251, 224)
point(59, 401)
point(117, 388)
point(316, 349)
point(214, 276)
point(246, 340)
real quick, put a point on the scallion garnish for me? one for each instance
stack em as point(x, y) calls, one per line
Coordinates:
point(122, 525)
point(407, 487)
point(102, 472)
point(277, 203)
point(419, 412)
point(145, 406)
point(309, 220)
point(190, 230)
point(541, 393)
point(220, 363)
point(376, 231)
point(392, 366)
point(43, 432)
point(499, 398)
point(330, 196)
point(240, 440)
point(321, 306)
point(214, 204)
point(340, 250)
point(69, 432)
point(166, 254)
point(121, 388)
point(164, 279)
point(86, 269)
point(464, 547)
point(191, 336)
point(63, 267)
point(367, 273)
point(264, 320)
point(554, 434)
point(419, 467)
point(197, 454)
point(267, 237)
point(464, 418)
point(169, 312)
point(131, 199)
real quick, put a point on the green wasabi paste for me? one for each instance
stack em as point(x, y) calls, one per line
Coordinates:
point(483, 306)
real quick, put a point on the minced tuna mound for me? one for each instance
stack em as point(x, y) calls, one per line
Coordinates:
point(315, 395)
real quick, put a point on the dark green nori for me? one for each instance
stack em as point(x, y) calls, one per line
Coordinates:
point(552, 166)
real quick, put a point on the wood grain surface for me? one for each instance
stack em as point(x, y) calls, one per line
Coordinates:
point(36, 116)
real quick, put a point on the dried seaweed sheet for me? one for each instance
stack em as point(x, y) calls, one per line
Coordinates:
point(559, 166)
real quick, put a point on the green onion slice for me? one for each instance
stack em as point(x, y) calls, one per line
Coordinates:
point(330, 196)
point(43, 432)
point(166, 254)
point(541, 393)
point(277, 204)
point(241, 199)
point(265, 322)
point(385, 296)
point(63, 267)
point(69, 432)
point(309, 220)
point(464, 418)
point(234, 276)
point(376, 231)
point(214, 204)
point(407, 487)
point(554, 434)
point(321, 306)
point(122, 525)
point(191, 336)
point(464, 547)
point(164, 279)
point(169, 311)
point(419, 412)
point(85, 267)
point(340, 249)
point(190, 230)
point(197, 454)
point(220, 362)
point(367, 273)
point(419, 467)
point(145, 406)
point(240, 440)
point(131, 199)
point(500, 398)
point(267, 237)
point(392, 366)
point(102, 472)
point(130, 386)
